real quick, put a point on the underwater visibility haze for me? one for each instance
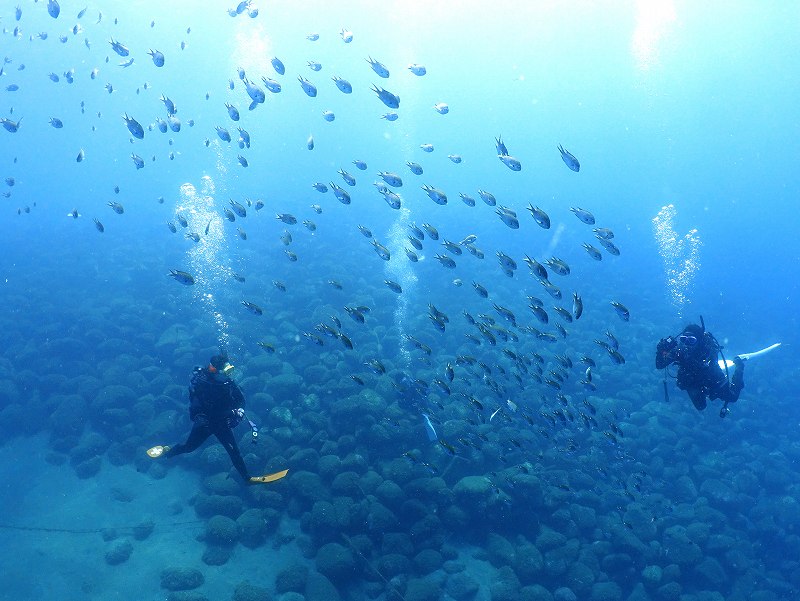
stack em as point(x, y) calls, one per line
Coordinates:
point(440, 242)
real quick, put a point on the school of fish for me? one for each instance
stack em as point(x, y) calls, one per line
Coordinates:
point(517, 379)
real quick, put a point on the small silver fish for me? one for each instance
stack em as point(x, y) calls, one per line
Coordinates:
point(389, 99)
point(487, 197)
point(569, 159)
point(415, 168)
point(540, 217)
point(393, 286)
point(378, 67)
point(435, 195)
point(309, 88)
point(593, 252)
point(511, 162)
point(583, 215)
point(181, 276)
point(158, 58)
point(390, 178)
point(382, 251)
point(343, 85)
point(621, 310)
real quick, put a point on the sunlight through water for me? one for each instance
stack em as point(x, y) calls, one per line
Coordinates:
point(654, 20)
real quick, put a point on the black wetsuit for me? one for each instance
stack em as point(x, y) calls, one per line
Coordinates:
point(699, 374)
point(213, 400)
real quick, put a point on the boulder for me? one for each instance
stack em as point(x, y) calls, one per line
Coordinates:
point(319, 588)
point(335, 562)
point(428, 560)
point(144, 529)
point(119, 552)
point(186, 596)
point(222, 530)
point(564, 594)
point(535, 592)
point(245, 591)
point(215, 555)
point(580, 578)
point(462, 587)
point(679, 548)
point(253, 528)
point(499, 551)
point(209, 505)
point(393, 564)
point(422, 589)
point(474, 493)
point(181, 579)
point(308, 487)
point(505, 585)
point(528, 563)
point(711, 574)
point(651, 576)
point(291, 578)
point(605, 591)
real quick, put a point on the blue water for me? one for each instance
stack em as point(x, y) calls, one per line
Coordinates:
point(678, 112)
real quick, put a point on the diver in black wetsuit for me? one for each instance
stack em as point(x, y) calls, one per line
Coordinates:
point(216, 406)
point(695, 352)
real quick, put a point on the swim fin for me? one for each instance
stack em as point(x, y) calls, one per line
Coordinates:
point(269, 477)
point(747, 356)
point(157, 451)
point(763, 351)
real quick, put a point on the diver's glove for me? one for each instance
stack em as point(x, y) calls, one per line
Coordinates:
point(665, 345)
point(666, 351)
point(237, 415)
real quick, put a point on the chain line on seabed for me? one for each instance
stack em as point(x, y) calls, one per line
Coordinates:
point(93, 530)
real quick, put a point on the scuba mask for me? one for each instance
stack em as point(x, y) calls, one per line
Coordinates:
point(225, 370)
point(692, 339)
point(219, 364)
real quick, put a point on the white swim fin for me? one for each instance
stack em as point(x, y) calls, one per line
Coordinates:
point(746, 357)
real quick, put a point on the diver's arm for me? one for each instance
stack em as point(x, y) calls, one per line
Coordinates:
point(195, 401)
point(237, 398)
point(666, 352)
point(195, 406)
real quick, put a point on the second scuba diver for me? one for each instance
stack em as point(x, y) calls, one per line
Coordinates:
point(216, 406)
point(695, 351)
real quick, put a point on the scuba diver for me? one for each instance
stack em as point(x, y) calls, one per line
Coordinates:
point(216, 406)
point(700, 374)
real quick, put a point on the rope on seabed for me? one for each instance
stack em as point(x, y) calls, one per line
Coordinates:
point(389, 587)
point(93, 530)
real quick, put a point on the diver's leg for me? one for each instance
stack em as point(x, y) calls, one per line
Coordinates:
point(198, 435)
point(698, 398)
point(737, 382)
point(225, 436)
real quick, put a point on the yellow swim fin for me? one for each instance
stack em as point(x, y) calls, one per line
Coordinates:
point(157, 451)
point(269, 477)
